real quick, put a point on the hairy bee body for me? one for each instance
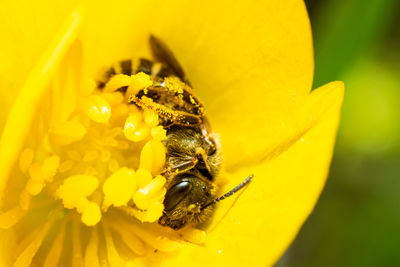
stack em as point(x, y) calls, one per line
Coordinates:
point(193, 155)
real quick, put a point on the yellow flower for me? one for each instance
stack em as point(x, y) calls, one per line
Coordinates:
point(252, 65)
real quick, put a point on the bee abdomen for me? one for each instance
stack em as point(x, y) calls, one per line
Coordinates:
point(133, 66)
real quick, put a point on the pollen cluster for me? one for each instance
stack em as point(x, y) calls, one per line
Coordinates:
point(100, 168)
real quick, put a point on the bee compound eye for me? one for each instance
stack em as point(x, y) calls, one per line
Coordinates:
point(176, 194)
point(212, 148)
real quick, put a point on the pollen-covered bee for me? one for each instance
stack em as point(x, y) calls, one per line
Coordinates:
point(193, 154)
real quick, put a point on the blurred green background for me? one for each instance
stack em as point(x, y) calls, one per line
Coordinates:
point(357, 219)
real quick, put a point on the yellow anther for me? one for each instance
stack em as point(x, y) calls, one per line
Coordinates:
point(105, 155)
point(132, 122)
point(152, 156)
point(75, 188)
point(193, 235)
point(140, 134)
point(110, 142)
point(50, 167)
point(25, 159)
point(66, 166)
point(159, 133)
point(113, 98)
point(139, 81)
point(34, 187)
point(133, 109)
point(121, 110)
point(118, 189)
point(114, 132)
point(143, 198)
point(143, 177)
point(113, 165)
point(97, 109)
point(116, 82)
point(25, 200)
point(10, 217)
point(67, 132)
point(150, 118)
point(123, 145)
point(90, 155)
point(81, 205)
point(152, 214)
point(91, 214)
point(134, 129)
point(74, 155)
point(36, 172)
point(91, 171)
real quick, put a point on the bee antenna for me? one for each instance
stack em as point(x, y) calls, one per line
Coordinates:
point(230, 193)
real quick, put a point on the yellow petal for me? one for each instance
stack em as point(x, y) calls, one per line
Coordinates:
point(20, 118)
point(27, 27)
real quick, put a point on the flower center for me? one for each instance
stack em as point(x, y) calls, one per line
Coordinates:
point(109, 153)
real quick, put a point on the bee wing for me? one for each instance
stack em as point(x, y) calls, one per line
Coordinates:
point(163, 54)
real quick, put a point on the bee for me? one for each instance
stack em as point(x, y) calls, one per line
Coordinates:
point(193, 153)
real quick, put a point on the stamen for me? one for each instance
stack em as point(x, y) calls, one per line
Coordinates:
point(134, 129)
point(130, 239)
point(113, 166)
point(91, 253)
point(74, 155)
point(113, 256)
point(66, 166)
point(152, 238)
point(139, 82)
point(11, 217)
point(77, 258)
point(90, 156)
point(144, 196)
point(67, 132)
point(159, 133)
point(49, 167)
point(118, 189)
point(74, 193)
point(33, 243)
point(143, 177)
point(97, 109)
point(152, 157)
point(151, 214)
point(116, 82)
point(150, 118)
point(193, 235)
point(25, 159)
point(53, 256)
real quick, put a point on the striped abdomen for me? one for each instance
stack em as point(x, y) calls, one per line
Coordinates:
point(133, 66)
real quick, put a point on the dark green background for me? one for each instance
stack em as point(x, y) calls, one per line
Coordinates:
point(357, 219)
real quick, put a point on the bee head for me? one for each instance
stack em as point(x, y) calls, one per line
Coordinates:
point(184, 200)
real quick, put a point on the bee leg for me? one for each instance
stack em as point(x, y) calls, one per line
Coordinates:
point(175, 116)
point(186, 100)
point(202, 165)
point(163, 54)
point(180, 168)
